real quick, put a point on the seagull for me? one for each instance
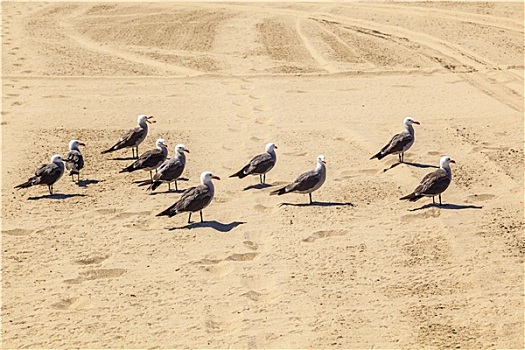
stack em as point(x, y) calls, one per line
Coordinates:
point(259, 165)
point(74, 159)
point(308, 181)
point(170, 170)
point(46, 174)
point(149, 160)
point(399, 143)
point(194, 198)
point(434, 183)
point(134, 137)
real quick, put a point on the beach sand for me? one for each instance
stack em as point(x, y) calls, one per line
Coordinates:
point(93, 267)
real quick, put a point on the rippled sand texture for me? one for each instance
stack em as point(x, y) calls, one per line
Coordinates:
point(93, 267)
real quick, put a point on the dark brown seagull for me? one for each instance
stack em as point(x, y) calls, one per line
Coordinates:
point(260, 164)
point(46, 174)
point(307, 182)
point(400, 143)
point(194, 198)
point(434, 183)
point(134, 137)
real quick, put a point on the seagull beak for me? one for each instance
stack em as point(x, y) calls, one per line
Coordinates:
point(186, 150)
point(274, 146)
point(215, 177)
point(453, 161)
point(149, 121)
point(323, 161)
point(416, 122)
point(81, 143)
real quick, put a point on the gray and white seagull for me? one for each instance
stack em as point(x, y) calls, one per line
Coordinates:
point(74, 159)
point(307, 182)
point(194, 198)
point(400, 143)
point(46, 174)
point(170, 170)
point(149, 160)
point(134, 137)
point(434, 183)
point(260, 164)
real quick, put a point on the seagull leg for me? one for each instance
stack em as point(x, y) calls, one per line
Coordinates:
point(310, 195)
point(176, 187)
point(200, 211)
point(189, 218)
point(433, 201)
point(151, 176)
point(50, 189)
point(169, 186)
point(264, 179)
point(440, 199)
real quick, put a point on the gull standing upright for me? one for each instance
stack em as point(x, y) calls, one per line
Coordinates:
point(170, 170)
point(134, 137)
point(46, 174)
point(400, 143)
point(434, 183)
point(74, 159)
point(260, 164)
point(150, 160)
point(307, 182)
point(194, 198)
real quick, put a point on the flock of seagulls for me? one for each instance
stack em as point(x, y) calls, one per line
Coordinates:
point(195, 199)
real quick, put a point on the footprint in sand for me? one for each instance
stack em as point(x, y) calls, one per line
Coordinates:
point(250, 244)
point(220, 269)
point(72, 304)
point(261, 108)
point(324, 234)
point(96, 274)
point(242, 257)
point(91, 259)
point(430, 213)
point(17, 232)
point(473, 198)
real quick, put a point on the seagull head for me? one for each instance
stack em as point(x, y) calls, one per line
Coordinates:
point(410, 121)
point(181, 148)
point(73, 144)
point(270, 147)
point(161, 143)
point(57, 158)
point(321, 159)
point(143, 119)
point(207, 176)
point(444, 162)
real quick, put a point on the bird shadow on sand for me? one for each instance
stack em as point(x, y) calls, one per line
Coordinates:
point(319, 204)
point(447, 206)
point(152, 193)
point(87, 182)
point(124, 158)
point(57, 196)
point(218, 226)
point(257, 187)
point(416, 165)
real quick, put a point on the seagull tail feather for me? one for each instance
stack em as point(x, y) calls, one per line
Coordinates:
point(278, 192)
point(240, 174)
point(411, 197)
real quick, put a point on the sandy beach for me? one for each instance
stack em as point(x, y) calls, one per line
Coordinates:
point(93, 267)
